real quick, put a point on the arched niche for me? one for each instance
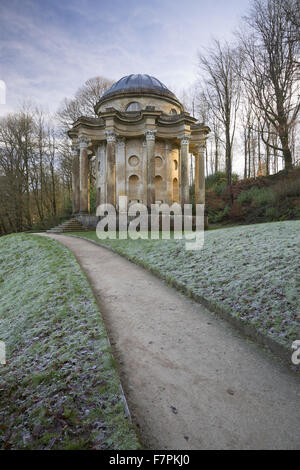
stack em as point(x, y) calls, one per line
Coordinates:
point(134, 188)
point(159, 190)
point(175, 190)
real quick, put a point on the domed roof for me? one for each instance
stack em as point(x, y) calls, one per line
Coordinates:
point(139, 83)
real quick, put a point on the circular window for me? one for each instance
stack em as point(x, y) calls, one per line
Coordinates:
point(173, 111)
point(158, 162)
point(134, 106)
point(133, 160)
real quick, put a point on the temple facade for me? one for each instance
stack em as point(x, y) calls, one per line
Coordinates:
point(140, 145)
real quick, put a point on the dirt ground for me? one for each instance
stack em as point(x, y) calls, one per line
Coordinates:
point(191, 381)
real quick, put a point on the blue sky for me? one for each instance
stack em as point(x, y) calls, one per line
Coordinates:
point(48, 48)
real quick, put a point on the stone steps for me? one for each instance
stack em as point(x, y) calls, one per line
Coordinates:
point(71, 225)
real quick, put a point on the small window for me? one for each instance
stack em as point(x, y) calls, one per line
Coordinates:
point(173, 111)
point(134, 106)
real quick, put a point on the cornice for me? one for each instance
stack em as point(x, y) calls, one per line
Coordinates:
point(139, 119)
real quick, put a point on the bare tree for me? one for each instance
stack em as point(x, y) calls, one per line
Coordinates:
point(222, 67)
point(216, 128)
point(35, 177)
point(83, 104)
point(203, 112)
point(269, 50)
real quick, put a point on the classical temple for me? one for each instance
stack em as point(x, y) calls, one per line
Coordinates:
point(140, 143)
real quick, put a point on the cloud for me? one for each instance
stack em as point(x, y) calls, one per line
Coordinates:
point(49, 48)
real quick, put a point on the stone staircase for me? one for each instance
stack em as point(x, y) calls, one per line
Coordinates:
point(71, 225)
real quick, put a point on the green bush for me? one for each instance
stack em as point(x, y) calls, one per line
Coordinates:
point(220, 188)
point(219, 178)
point(245, 197)
point(297, 212)
point(216, 217)
point(264, 196)
point(258, 196)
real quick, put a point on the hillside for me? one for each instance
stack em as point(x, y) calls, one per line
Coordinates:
point(59, 388)
point(262, 199)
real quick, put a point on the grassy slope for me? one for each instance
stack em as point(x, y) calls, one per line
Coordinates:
point(59, 389)
point(255, 200)
point(251, 270)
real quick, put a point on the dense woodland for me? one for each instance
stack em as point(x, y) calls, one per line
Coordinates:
point(248, 94)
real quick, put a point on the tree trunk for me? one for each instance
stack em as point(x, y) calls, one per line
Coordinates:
point(245, 153)
point(216, 154)
point(267, 160)
point(287, 155)
point(228, 165)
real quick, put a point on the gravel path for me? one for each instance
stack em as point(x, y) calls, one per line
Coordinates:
point(191, 381)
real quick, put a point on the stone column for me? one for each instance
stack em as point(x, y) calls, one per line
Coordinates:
point(75, 181)
point(150, 143)
point(200, 175)
point(111, 137)
point(169, 174)
point(120, 169)
point(184, 171)
point(102, 172)
point(84, 174)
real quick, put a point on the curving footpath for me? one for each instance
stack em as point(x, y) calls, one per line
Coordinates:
point(191, 381)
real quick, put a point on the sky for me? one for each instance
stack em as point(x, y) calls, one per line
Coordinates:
point(48, 48)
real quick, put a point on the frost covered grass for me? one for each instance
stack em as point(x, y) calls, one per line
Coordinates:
point(251, 271)
point(59, 388)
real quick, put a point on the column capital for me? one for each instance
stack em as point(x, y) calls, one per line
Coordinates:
point(185, 140)
point(111, 136)
point(121, 141)
point(150, 134)
point(83, 142)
